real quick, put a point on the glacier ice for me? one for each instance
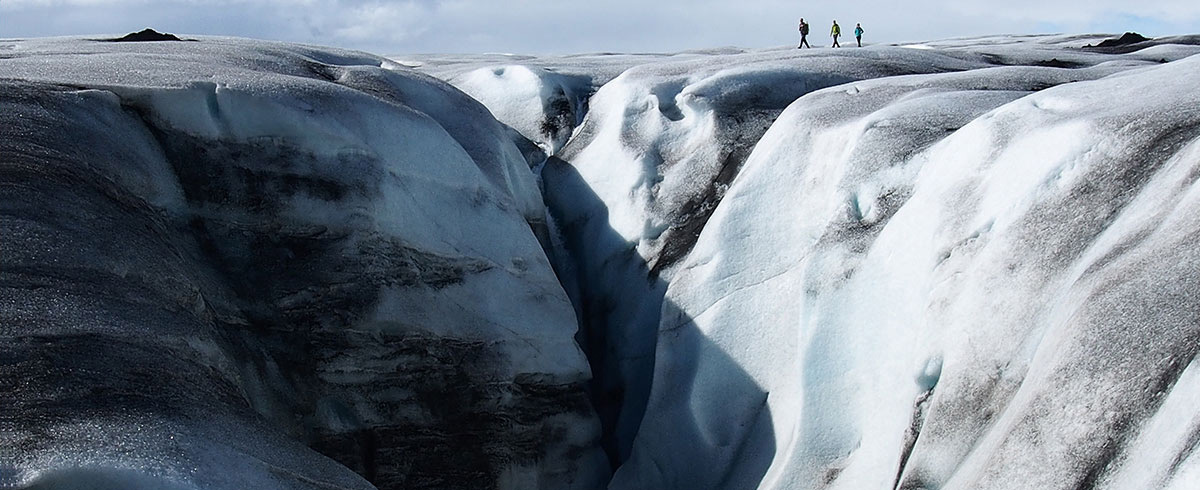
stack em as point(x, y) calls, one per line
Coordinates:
point(960, 264)
point(244, 264)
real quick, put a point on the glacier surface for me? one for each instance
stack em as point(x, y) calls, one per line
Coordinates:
point(221, 255)
point(960, 264)
point(244, 264)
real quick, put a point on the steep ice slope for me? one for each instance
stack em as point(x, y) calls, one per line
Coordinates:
point(961, 264)
point(219, 252)
point(1001, 308)
point(541, 100)
point(661, 144)
point(915, 281)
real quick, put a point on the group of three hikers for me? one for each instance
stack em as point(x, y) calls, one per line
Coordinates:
point(835, 32)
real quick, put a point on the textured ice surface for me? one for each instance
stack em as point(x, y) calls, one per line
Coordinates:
point(959, 264)
point(957, 313)
point(241, 264)
point(221, 253)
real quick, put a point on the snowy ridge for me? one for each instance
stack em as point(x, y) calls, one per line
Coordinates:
point(961, 267)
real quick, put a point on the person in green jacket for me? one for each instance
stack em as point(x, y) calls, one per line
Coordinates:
point(835, 32)
point(858, 33)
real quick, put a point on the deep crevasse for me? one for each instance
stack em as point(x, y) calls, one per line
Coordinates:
point(245, 264)
point(912, 280)
point(963, 264)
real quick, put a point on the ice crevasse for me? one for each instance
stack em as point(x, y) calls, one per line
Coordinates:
point(230, 263)
point(246, 264)
point(966, 266)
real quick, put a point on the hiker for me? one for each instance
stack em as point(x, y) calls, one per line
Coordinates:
point(858, 33)
point(803, 35)
point(835, 32)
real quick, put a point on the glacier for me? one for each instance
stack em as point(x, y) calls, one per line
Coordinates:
point(245, 264)
point(879, 268)
point(956, 264)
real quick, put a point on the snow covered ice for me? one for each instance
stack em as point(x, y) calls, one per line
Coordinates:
point(959, 264)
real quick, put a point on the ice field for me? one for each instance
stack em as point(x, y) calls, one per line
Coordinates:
point(961, 264)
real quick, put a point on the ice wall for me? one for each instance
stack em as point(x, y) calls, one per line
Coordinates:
point(892, 337)
point(962, 266)
point(241, 264)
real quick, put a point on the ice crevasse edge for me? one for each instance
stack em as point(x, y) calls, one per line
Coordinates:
point(967, 266)
point(958, 267)
point(245, 264)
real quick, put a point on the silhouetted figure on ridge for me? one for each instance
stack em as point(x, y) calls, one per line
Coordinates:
point(835, 32)
point(858, 33)
point(803, 35)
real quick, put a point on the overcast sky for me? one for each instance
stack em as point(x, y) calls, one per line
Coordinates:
point(576, 26)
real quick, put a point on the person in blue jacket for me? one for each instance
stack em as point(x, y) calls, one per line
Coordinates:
point(858, 33)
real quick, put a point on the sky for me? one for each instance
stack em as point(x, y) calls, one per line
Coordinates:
point(575, 26)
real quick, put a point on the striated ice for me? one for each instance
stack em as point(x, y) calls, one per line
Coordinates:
point(244, 264)
point(958, 264)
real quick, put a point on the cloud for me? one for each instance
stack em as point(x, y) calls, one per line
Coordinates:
point(376, 22)
point(561, 26)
